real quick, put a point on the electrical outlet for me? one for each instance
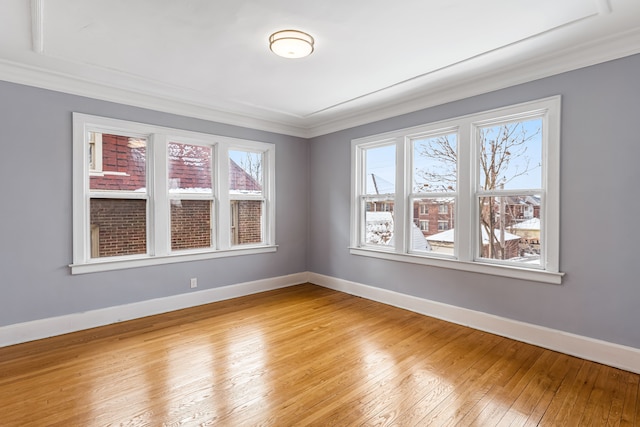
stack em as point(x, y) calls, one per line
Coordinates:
point(194, 282)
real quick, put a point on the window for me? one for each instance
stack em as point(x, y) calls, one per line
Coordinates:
point(490, 181)
point(247, 197)
point(379, 167)
point(190, 184)
point(147, 195)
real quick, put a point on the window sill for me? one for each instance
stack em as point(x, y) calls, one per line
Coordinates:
point(534, 275)
point(108, 264)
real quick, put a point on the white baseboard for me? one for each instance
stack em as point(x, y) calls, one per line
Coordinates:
point(44, 328)
point(619, 356)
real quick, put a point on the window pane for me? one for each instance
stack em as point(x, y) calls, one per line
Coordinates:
point(245, 172)
point(123, 163)
point(118, 227)
point(511, 156)
point(380, 170)
point(246, 222)
point(190, 224)
point(432, 225)
point(379, 227)
point(510, 228)
point(435, 161)
point(189, 168)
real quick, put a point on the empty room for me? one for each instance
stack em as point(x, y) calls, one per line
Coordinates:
point(296, 213)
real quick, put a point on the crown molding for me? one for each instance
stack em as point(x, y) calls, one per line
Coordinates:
point(465, 84)
point(558, 62)
point(60, 82)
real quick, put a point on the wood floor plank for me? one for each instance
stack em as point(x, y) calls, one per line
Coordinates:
point(303, 355)
point(631, 407)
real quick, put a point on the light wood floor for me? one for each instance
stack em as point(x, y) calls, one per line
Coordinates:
point(301, 356)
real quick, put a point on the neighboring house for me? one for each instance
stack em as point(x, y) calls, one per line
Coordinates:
point(433, 216)
point(119, 220)
point(529, 232)
point(444, 243)
point(520, 208)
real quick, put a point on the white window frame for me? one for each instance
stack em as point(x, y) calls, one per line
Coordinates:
point(158, 215)
point(465, 211)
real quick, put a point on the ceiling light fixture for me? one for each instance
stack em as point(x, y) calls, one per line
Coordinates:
point(291, 44)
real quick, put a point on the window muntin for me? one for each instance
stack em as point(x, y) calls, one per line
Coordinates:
point(525, 138)
point(167, 189)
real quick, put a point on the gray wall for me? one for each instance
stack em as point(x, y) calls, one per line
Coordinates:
point(36, 220)
point(600, 229)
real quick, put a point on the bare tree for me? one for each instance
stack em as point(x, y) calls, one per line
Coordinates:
point(503, 158)
point(252, 164)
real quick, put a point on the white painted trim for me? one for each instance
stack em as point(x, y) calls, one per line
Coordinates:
point(44, 328)
point(467, 230)
point(513, 272)
point(427, 95)
point(157, 195)
point(442, 91)
point(616, 355)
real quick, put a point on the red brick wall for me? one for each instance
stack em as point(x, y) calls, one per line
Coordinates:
point(191, 224)
point(122, 226)
point(433, 215)
point(249, 221)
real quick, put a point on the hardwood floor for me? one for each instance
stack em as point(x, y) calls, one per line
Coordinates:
point(301, 356)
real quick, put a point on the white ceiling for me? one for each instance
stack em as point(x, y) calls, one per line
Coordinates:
point(373, 59)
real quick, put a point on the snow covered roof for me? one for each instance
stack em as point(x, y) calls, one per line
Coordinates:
point(448, 235)
point(380, 225)
point(530, 224)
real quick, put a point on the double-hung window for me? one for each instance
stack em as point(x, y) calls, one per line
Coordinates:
point(488, 182)
point(147, 195)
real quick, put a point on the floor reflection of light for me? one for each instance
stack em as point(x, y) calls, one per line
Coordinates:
point(245, 369)
point(116, 385)
point(189, 378)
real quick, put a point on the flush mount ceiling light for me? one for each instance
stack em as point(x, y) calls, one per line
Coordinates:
point(291, 44)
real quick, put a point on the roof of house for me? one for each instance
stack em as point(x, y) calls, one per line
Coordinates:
point(529, 224)
point(448, 236)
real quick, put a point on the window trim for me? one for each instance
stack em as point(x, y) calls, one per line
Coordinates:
point(158, 236)
point(465, 258)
